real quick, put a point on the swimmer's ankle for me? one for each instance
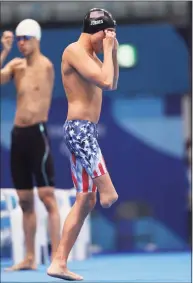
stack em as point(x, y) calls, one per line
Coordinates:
point(59, 260)
point(30, 258)
point(57, 265)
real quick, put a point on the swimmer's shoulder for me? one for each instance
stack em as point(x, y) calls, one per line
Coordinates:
point(48, 67)
point(70, 50)
point(47, 63)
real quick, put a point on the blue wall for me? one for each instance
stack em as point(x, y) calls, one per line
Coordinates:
point(141, 138)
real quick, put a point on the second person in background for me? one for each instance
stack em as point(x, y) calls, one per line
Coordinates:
point(31, 155)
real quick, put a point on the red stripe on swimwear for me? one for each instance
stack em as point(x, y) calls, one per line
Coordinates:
point(85, 181)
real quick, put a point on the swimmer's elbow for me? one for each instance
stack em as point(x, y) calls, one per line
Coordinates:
point(3, 78)
point(114, 87)
point(107, 85)
point(5, 75)
point(102, 82)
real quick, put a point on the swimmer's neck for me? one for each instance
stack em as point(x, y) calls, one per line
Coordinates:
point(30, 59)
point(84, 40)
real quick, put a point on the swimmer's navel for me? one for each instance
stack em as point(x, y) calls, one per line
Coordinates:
point(36, 88)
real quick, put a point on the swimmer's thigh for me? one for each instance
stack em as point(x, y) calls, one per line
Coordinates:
point(85, 188)
point(42, 160)
point(103, 182)
point(20, 164)
point(82, 180)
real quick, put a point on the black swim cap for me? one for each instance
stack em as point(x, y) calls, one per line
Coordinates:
point(96, 20)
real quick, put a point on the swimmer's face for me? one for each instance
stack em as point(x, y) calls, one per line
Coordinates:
point(97, 41)
point(26, 44)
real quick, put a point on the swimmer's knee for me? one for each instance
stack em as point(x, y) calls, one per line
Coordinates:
point(91, 202)
point(26, 200)
point(26, 205)
point(87, 200)
point(48, 198)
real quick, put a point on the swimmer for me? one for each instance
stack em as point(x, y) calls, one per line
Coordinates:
point(84, 77)
point(33, 76)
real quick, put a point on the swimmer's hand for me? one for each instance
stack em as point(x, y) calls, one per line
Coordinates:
point(109, 40)
point(7, 72)
point(7, 40)
point(18, 64)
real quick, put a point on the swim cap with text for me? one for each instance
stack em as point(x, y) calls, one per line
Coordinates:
point(96, 20)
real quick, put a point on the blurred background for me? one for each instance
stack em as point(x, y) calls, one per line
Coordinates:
point(145, 125)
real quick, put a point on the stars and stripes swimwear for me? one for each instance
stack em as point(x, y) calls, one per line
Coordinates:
point(85, 155)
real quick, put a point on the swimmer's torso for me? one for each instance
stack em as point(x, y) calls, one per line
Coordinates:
point(84, 98)
point(34, 91)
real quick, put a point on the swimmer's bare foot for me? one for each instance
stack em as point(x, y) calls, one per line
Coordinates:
point(27, 264)
point(107, 199)
point(60, 271)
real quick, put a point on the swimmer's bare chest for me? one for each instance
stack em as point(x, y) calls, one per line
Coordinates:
point(84, 98)
point(33, 94)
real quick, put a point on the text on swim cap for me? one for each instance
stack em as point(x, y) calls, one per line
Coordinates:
point(93, 23)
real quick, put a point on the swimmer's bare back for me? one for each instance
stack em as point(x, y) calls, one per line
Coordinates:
point(83, 95)
point(34, 85)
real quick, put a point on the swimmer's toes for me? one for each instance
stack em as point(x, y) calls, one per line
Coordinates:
point(19, 268)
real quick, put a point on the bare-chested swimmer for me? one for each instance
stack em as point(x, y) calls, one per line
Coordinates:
point(84, 76)
point(30, 148)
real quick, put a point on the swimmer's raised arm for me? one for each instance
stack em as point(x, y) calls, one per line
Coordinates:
point(85, 65)
point(8, 71)
point(116, 65)
point(6, 41)
point(3, 56)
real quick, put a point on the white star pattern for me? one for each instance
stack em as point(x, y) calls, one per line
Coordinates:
point(86, 142)
point(71, 132)
point(94, 146)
